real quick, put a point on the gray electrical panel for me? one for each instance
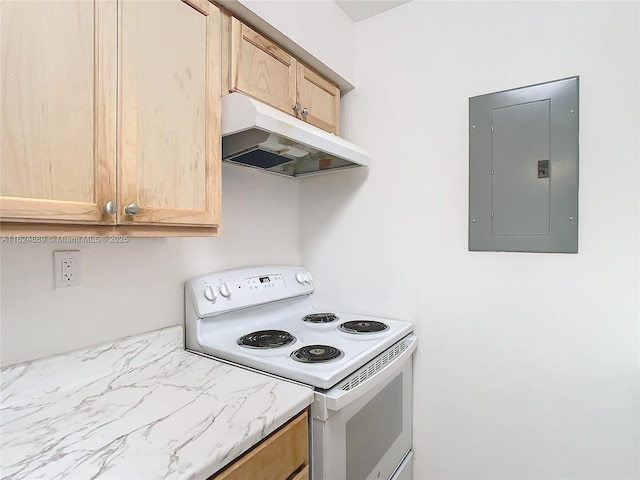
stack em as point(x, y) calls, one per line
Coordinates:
point(523, 169)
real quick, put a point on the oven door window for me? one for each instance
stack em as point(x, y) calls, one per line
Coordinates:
point(371, 432)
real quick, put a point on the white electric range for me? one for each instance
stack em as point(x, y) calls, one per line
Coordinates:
point(359, 366)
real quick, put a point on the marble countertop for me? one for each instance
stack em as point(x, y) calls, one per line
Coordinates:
point(138, 408)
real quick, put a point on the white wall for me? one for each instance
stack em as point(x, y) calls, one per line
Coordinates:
point(136, 287)
point(527, 366)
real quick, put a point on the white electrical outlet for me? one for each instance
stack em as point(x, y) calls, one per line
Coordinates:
point(66, 268)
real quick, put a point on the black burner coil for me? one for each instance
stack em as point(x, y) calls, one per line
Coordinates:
point(363, 326)
point(320, 317)
point(317, 354)
point(266, 339)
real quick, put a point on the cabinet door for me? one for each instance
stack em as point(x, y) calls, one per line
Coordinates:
point(58, 110)
point(321, 99)
point(277, 457)
point(169, 105)
point(261, 69)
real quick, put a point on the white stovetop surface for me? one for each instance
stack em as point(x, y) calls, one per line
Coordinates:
point(137, 408)
point(276, 297)
point(218, 336)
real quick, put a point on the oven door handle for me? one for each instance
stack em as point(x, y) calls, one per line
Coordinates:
point(336, 398)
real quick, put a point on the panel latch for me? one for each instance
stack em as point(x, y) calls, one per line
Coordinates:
point(543, 168)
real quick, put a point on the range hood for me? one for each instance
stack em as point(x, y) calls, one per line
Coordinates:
point(260, 136)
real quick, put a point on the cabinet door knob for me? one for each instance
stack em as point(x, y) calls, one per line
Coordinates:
point(110, 208)
point(305, 111)
point(132, 209)
point(296, 107)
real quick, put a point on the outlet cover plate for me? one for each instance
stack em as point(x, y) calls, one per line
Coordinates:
point(66, 268)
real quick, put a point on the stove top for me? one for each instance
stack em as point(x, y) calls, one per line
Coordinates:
point(271, 325)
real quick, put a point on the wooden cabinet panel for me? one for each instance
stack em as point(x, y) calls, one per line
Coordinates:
point(283, 455)
point(170, 112)
point(302, 474)
point(58, 107)
point(320, 98)
point(261, 69)
point(110, 101)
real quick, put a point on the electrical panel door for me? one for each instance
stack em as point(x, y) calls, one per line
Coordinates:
point(523, 169)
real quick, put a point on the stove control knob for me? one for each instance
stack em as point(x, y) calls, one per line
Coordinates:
point(307, 277)
point(225, 291)
point(300, 277)
point(210, 293)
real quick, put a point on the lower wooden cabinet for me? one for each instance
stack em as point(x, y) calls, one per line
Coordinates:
point(284, 455)
point(302, 474)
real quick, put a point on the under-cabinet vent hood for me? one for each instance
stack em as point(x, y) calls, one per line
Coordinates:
point(260, 136)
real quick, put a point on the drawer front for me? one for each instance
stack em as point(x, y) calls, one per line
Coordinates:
point(302, 474)
point(278, 457)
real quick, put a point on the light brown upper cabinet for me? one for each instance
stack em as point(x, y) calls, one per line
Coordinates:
point(263, 70)
point(318, 99)
point(111, 113)
point(58, 107)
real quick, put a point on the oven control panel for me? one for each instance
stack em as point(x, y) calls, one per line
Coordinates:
point(266, 282)
point(222, 292)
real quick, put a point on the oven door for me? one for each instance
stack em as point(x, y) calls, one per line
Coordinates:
point(364, 431)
